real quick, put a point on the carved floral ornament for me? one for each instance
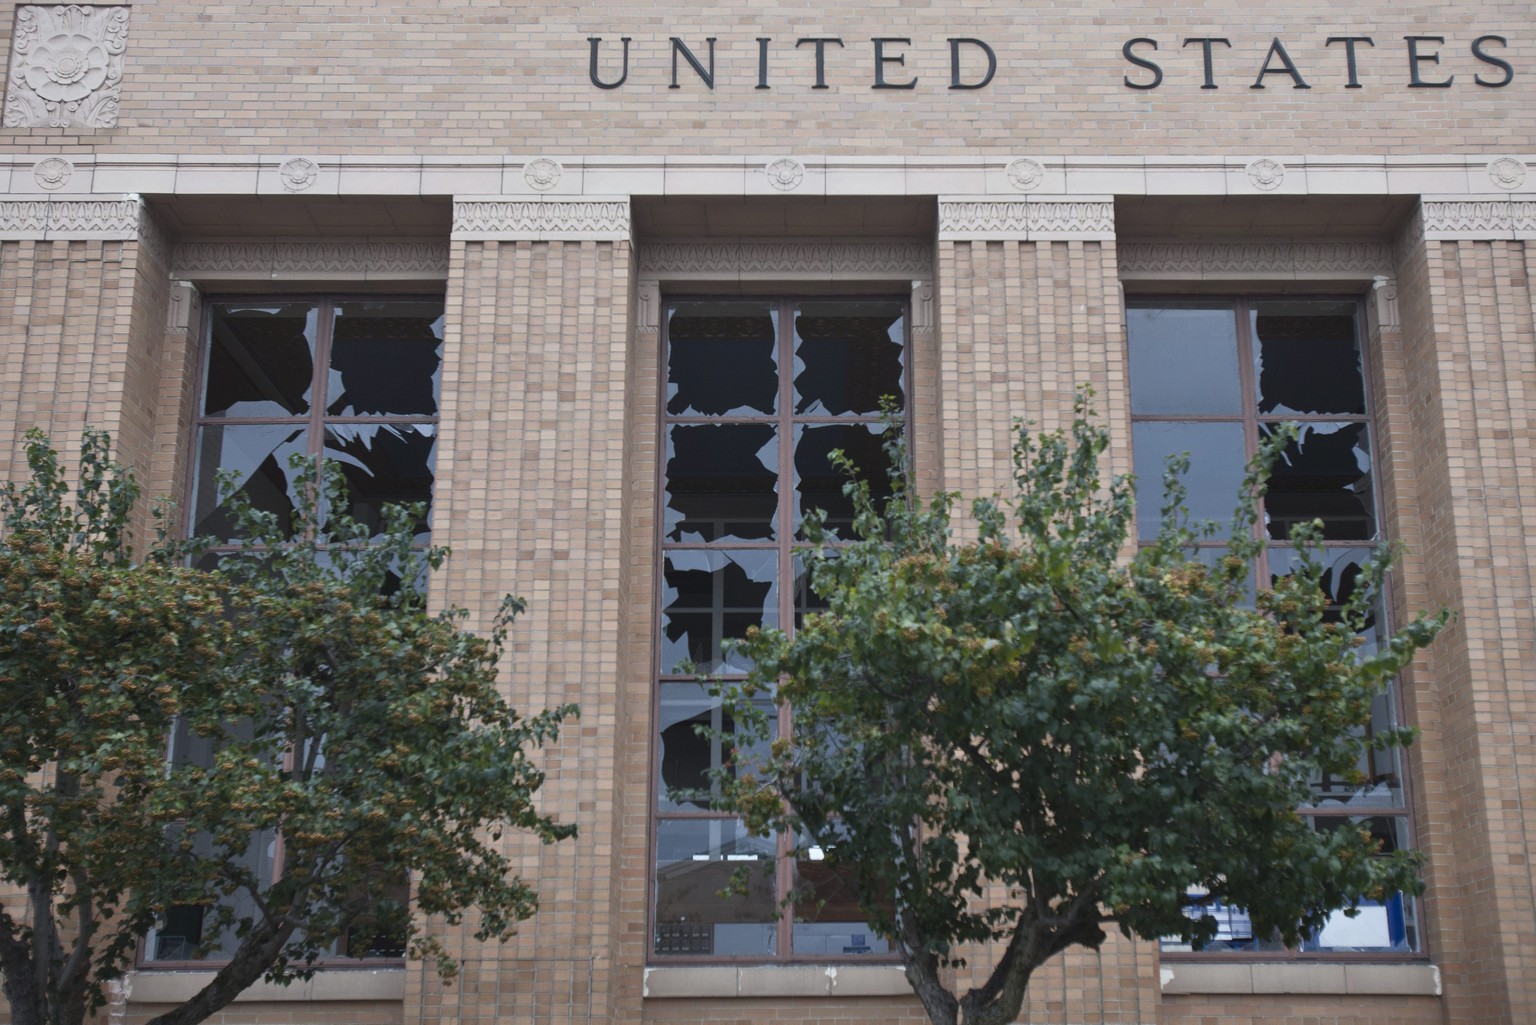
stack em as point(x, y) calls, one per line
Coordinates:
point(52, 173)
point(1266, 175)
point(785, 173)
point(66, 66)
point(298, 173)
point(543, 174)
point(1507, 172)
point(1025, 174)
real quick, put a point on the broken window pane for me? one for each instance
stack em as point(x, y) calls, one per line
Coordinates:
point(819, 484)
point(384, 464)
point(1324, 474)
point(1306, 358)
point(848, 356)
point(695, 860)
point(1183, 358)
point(261, 359)
point(722, 482)
point(386, 359)
point(722, 359)
point(710, 598)
point(691, 726)
point(256, 457)
point(1378, 925)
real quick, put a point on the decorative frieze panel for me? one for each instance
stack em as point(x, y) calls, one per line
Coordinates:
point(1086, 218)
point(277, 260)
point(808, 259)
point(66, 66)
point(118, 219)
point(1253, 260)
point(1489, 217)
point(541, 219)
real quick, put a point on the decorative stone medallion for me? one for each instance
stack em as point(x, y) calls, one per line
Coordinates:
point(785, 173)
point(52, 173)
point(543, 174)
point(1265, 174)
point(298, 173)
point(1507, 172)
point(1025, 174)
point(66, 66)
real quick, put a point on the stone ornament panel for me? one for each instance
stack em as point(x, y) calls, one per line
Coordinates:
point(328, 260)
point(551, 220)
point(1253, 260)
point(44, 219)
point(66, 66)
point(783, 260)
point(1029, 219)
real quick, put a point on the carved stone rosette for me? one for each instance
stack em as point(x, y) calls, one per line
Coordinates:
point(66, 66)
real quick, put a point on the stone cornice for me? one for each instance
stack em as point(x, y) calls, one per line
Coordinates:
point(281, 259)
point(1217, 261)
point(742, 259)
point(1035, 218)
point(550, 220)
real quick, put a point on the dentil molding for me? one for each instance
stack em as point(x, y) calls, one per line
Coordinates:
point(490, 219)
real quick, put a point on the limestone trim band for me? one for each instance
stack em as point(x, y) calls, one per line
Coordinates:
point(593, 177)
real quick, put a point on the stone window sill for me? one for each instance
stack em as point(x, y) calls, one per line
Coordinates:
point(777, 981)
point(173, 987)
point(1319, 978)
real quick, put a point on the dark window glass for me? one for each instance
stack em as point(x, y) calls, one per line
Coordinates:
point(261, 360)
point(757, 395)
point(385, 359)
point(722, 359)
point(820, 485)
point(1324, 474)
point(1307, 358)
point(848, 356)
point(384, 464)
point(722, 482)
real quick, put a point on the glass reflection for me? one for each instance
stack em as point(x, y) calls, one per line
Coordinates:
point(1217, 464)
point(710, 598)
point(848, 356)
point(1324, 474)
point(828, 920)
point(386, 359)
point(255, 457)
point(261, 360)
point(1307, 358)
point(722, 482)
point(819, 484)
point(695, 860)
point(1183, 358)
point(722, 359)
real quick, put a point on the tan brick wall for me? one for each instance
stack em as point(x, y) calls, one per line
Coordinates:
point(81, 324)
point(530, 495)
point(453, 76)
point(1469, 357)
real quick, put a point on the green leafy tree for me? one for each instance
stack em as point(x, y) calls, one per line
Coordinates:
point(1026, 738)
point(331, 709)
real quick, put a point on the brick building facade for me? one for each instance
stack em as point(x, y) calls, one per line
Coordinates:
point(565, 178)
